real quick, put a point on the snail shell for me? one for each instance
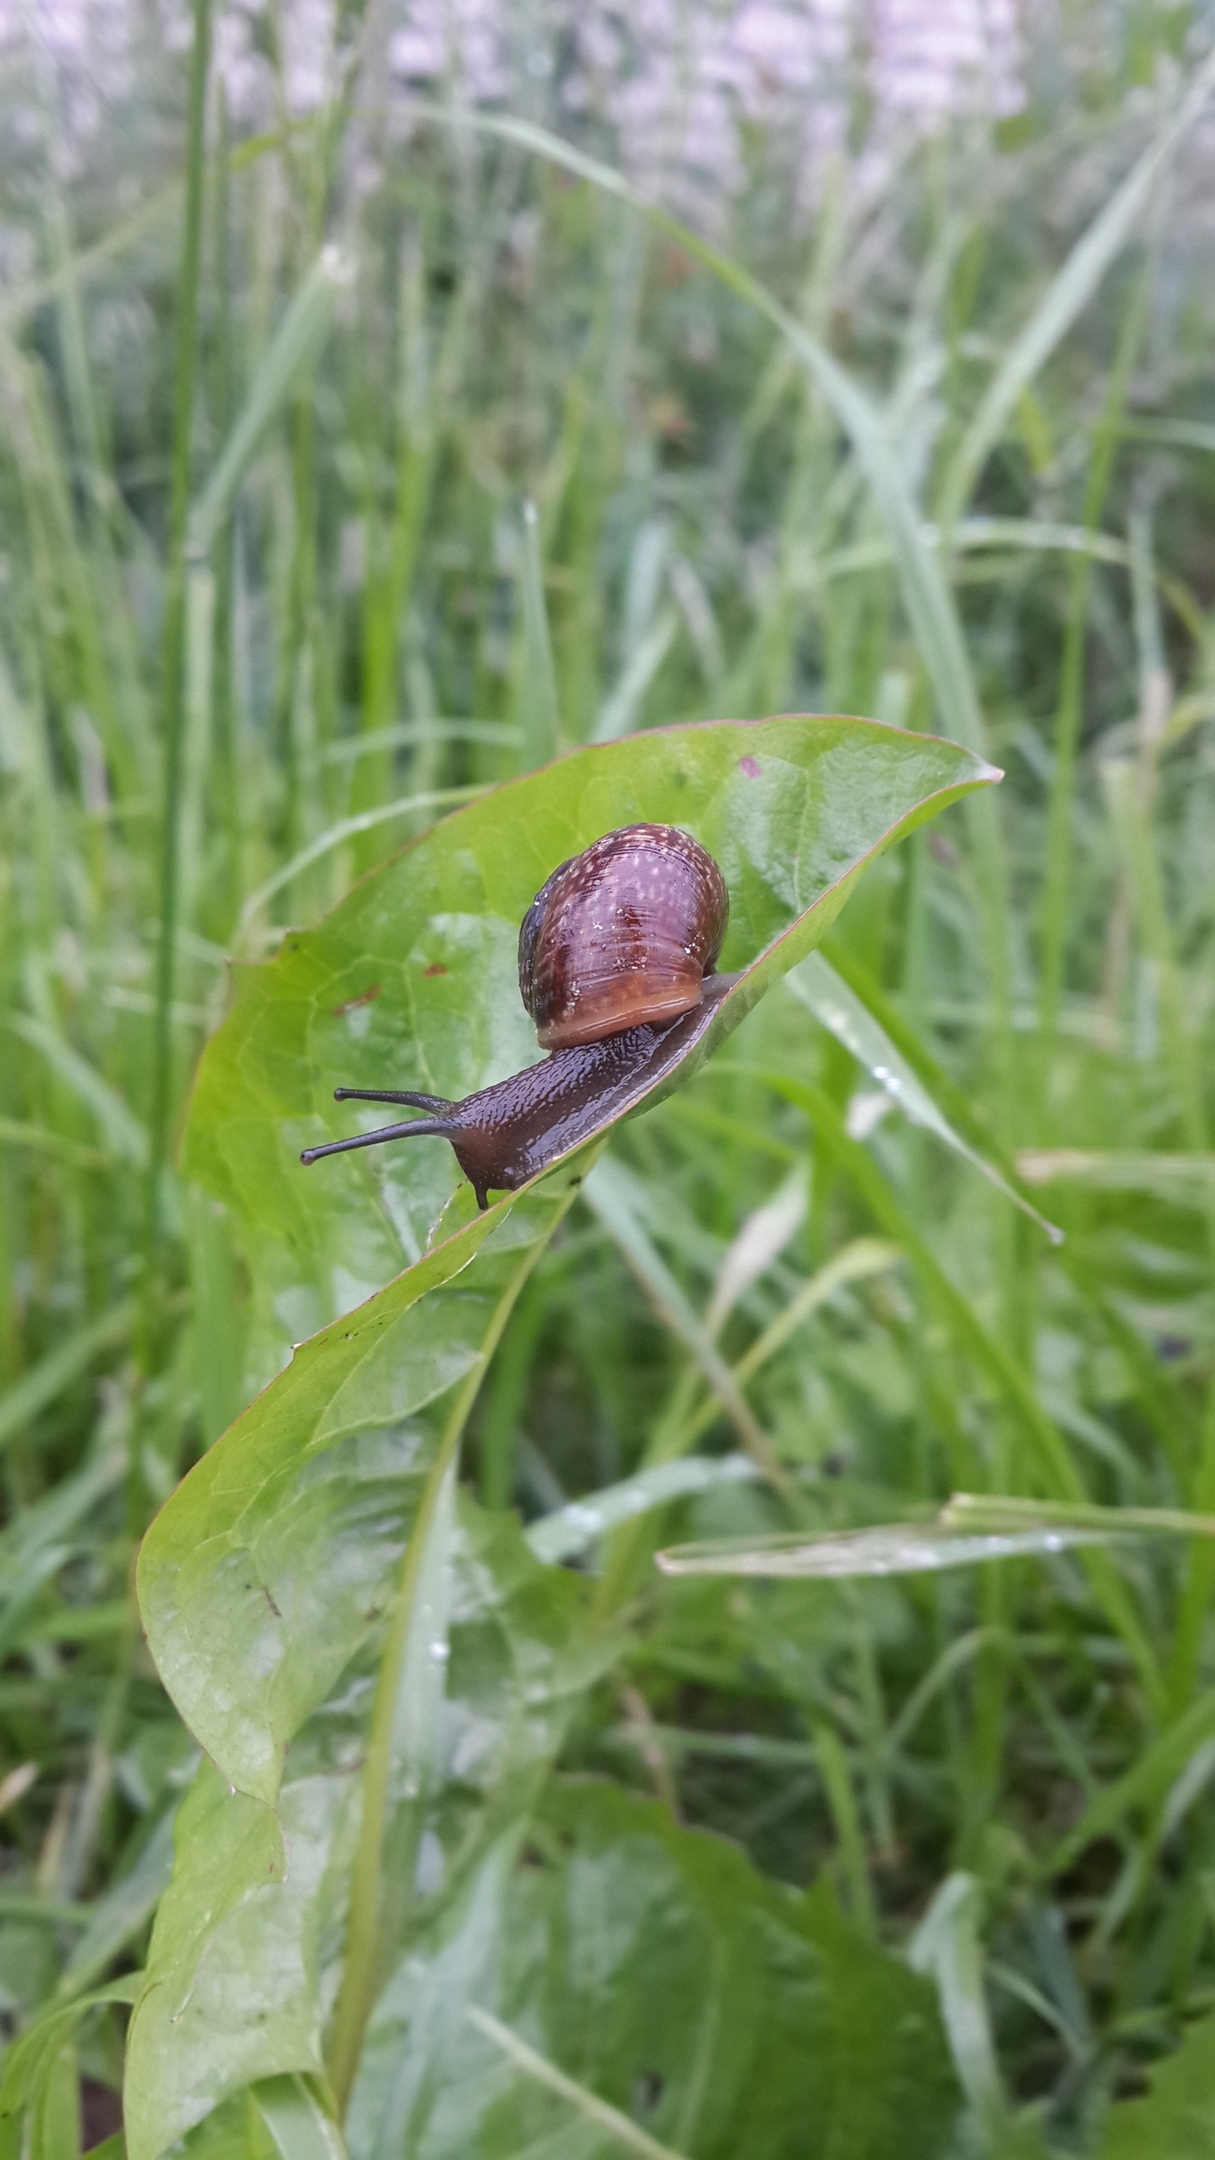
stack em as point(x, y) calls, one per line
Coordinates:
point(621, 936)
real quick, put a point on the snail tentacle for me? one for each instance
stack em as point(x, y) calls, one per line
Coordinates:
point(436, 1103)
point(404, 1131)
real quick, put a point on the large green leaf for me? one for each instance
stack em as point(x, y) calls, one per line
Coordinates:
point(410, 982)
point(270, 1565)
point(244, 1957)
point(654, 1968)
point(231, 1992)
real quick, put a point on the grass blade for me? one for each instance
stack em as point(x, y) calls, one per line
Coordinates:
point(606, 1191)
point(626, 2133)
point(1068, 293)
point(295, 343)
point(347, 829)
point(299, 2126)
point(846, 1555)
point(40, 1386)
point(572, 1529)
point(817, 986)
point(538, 719)
point(173, 688)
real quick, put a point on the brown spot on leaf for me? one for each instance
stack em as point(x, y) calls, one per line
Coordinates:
point(436, 968)
point(365, 997)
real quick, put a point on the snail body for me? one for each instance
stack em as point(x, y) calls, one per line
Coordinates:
point(617, 967)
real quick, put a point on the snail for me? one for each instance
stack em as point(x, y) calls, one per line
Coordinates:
point(617, 967)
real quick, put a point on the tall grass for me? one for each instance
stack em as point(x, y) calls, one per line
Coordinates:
point(343, 497)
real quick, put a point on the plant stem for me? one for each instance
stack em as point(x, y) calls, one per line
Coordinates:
point(362, 1969)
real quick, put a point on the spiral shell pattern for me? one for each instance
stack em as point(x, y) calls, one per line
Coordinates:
point(622, 935)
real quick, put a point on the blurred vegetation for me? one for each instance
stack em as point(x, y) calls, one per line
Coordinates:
point(508, 464)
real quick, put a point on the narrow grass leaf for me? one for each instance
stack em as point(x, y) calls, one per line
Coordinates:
point(348, 829)
point(845, 1814)
point(837, 1006)
point(622, 704)
point(608, 1194)
point(620, 2128)
point(981, 1511)
point(1184, 1180)
point(1160, 1763)
point(294, 345)
point(117, 1916)
point(1069, 292)
point(762, 1238)
point(572, 1529)
point(296, 2121)
point(46, 1380)
point(894, 1549)
point(124, 1135)
point(947, 1944)
point(538, 718)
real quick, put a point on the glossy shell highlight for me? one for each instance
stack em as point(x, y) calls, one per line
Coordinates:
point(622, 936)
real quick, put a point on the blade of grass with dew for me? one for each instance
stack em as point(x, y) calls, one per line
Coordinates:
point(846, 1555)
point(574, 1528)
point(1049, 1450)
point(817, 986)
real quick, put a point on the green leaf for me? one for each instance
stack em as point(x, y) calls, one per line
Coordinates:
point(411, 982)
point(244, 1959)
point(655, 1973)
point(227, 1994)
point(1176, 2118)
point(272, 1562)
point(261, 1576)
point(33, 2065)
point(237, 2130)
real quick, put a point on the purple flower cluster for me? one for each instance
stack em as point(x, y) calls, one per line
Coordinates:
point(681, 89)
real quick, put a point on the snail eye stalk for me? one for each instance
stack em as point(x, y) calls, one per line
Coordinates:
point(404, 1131)
point(435, 1103)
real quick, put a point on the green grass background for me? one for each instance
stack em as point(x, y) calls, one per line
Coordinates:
point(329, 496)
